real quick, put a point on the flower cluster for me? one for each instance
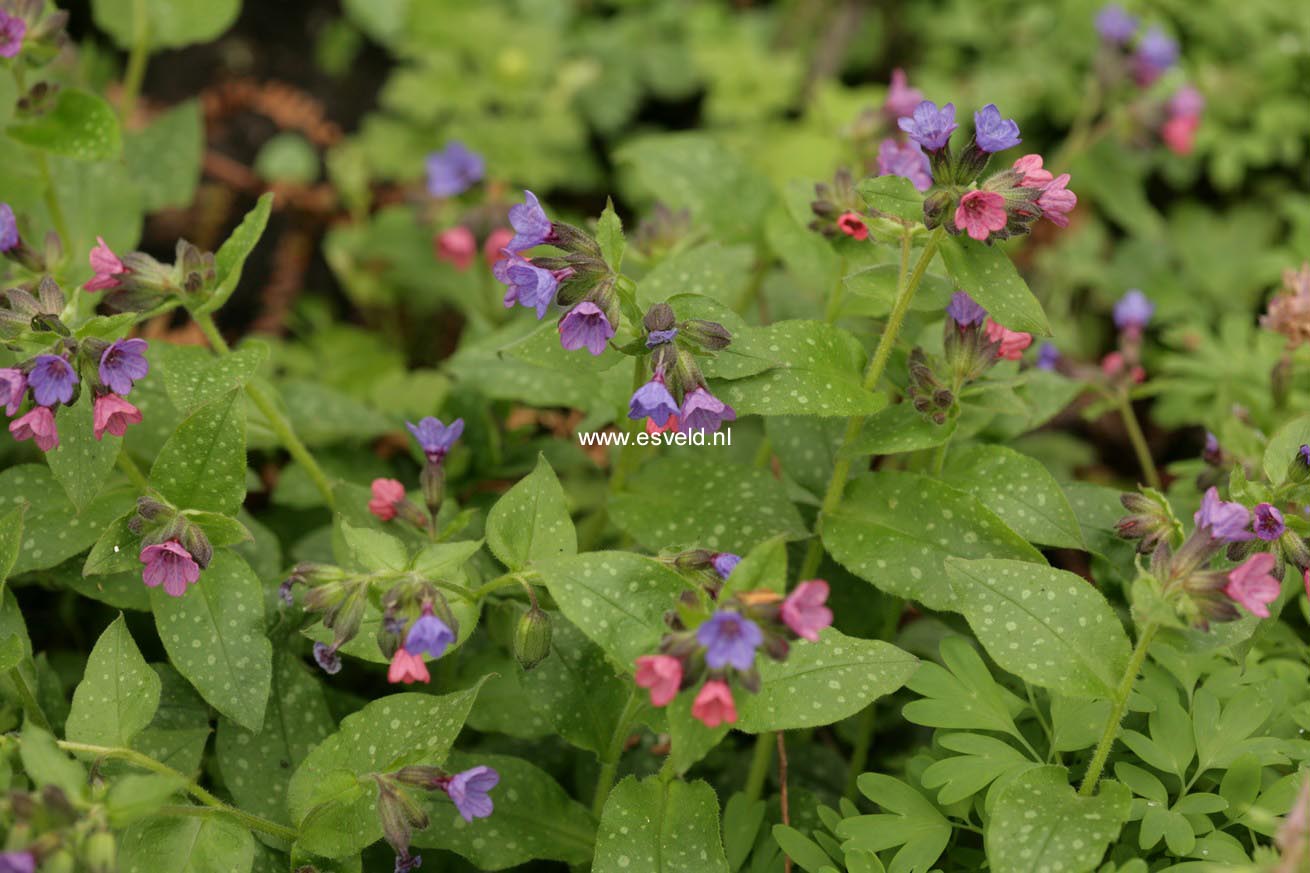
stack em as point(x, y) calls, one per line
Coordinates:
point(174, 549)
point(1121, 367)
point(136, 282)
point(389, 499)
point(26, 28)
point(401, 815)
point(47, 830)
point(672, 347)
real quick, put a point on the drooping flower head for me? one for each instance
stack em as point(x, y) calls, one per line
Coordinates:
point(804, 609)
point(112, 414)
point(52, 379)
point(1225, 521)
point(453, 170)
point(8, 227)
point(38, 425)
point(929, 126)
point(531, 226)
point(730, 639)
point(1048, 356)
point(964, 310)
point(386, 494)
point(529, 285)
point(659, 337)
point(327, 658)
point(992, 132)
point(981, 213)
point(123, 363)
point(469, 791)
point(1268, 524)
point(1133, 311)
point(1031, 173)
point(1115, 25)
point(13, 386)
point(435, 438)
point(1012, 342)
point(1156, 53)
point(1057, 201)
point(456, 246)
point(653, 401)
point(907, 160)
point(662, 674)
point(714, 705)
point(585, 326)
point(170, 565)
point(12, 31)
point(407, 668)
point(901, 98)
point(852, 225)
point(107, 268)
point(724, 563)
point(1251, 584)
point(702, 411)
point(429, 634)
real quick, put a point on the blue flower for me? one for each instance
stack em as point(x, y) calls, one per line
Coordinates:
point(930, 127)
point(453, 170)
point(52, 380)
point(653, 401)
point(529, 285)
point(993, 133)
point(1133, 311)
point(1114, 25)
point(8, 227)
point(531, 226)
point(429, 634)
point(964, 310)
point(436, 438)
point(729, 639)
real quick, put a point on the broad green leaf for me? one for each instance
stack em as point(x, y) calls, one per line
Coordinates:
point(990, 277)
point(618, 599)
point(982, 761)
point(11, 539)
point(180, 729)
point(81, 125)
point(1019, 490)
point(170, 23)
point(530, 522)
point(1048, 626)
point(911, 822)
point(118, 695)
point(875, 289)
point(962, 695)
point(717, 271)
point(900, 428)
point(896, 530)
point(1283, 447)
point(363, 548)
point(577, 689)
point(538, 817)
point(183, 844)
point(807, 447)
point(660, 827)
point(214, 636)
point(117, 550)
point(763, 567)
point(46, 764)
point(332, 802)
point(137, 795)
point(203, 464)
point(824, 682)
point(893, 195)
point(53, 529)
point(686, 500)
point(194, 376)
point(80, 462)
point(231, 257)
point(164, 157)
point(1039, 822)
point(609, 233)
point(220, 530)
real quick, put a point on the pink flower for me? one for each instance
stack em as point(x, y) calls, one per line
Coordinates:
point(1057, 201)
point(456, 247)
point(407, 668)
point(1179, 133)
point(113, 414)
point(1250, 584)
point(981, 213)
point(1013, 342)
point(170, 565)
point(662, 674)
point(1113, 365)
point(39, 425)
point(1031, 172)
point(670, 425)
point(107, 267)
point(804, 612)
point(386, 494)
point(494, 248)
point(850, 224)
point(901, 98)
point(713, 704)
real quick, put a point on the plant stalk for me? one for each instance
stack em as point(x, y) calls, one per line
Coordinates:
point(1118, 705)
point(1138, 439)
point(609, 767)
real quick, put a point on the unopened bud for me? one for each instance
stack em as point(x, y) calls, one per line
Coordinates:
point(399, 814)
point(1299, 470)
point(194, 541)
point(420, 776)
point(709, 335)
point(101, 853)
point(433, 483)
point(532, 638)
point(659, 317)
point(573, 239)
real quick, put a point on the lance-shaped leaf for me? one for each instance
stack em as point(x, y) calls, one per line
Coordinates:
point(531, 521)
point(231, 257)
point(82, 463)
point(989, 275)
point(203, 464)
point(660, 827)
point(1020, 490)
point(118, 695)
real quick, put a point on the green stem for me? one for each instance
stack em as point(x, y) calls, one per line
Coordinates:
point(136, 61)
point(939, 458)
point(842, 468)
point(609, 767)
point(759, 771)
point(128, 466)
point(277, 422)
point(1118, 705)
point(1138, 439)
point(500, 582)
point(145, 762)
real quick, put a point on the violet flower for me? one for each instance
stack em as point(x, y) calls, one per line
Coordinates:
point(435, 438)
point(453, 170)
point(929, 126)
point(907, 160)
point(585, 326)
point(1225, 521)
point(993, 133)
point(123, 363)
point(531, 226)
point(52, 380)
point(429, 634)
point(653, 401)
point(702, 411)
point(8, 227)
point(1133, 311)
point(729, 639)
point(469, 791)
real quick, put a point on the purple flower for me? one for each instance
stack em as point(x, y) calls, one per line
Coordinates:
point(658, 337)
point(1212, 453)
point(8, 225)
point(1268, 522)
point(585, 326)
point(436, 438)
point(17, 862)
point(529, 285)
point(1115, 25)
point(407, 863)
point(468, 791)
point(429, 634)
point(124, 363)
point(52, 379)
point(729, 639)
point(1048, 356)
point(653, 401)
point(993, 133)
point(930, 127)
point(702, 411)
point(1187, 102)
point(1225, 521)
point(907, 160)
point(1133, 311)
point(171, 565)
point(13, 385)
point(453, 170)
point(964, 310)
point(1302, 454)
point(327, 658)
point(724, 563)
point(901, 98)
point(12, 31)
point(1156, 52)
point(531, 226)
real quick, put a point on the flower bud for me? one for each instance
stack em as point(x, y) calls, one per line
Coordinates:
point(936, 206)
point(400, 816)
point(433, 483)
point(51, 298)
point(193, 539)
point(1299, 470)
point(575, 240)
point(659, 317)
point(101, 853)
point(532, 638)
point(709, 335)
point(59, 861)
point(420, 776)
point(1150, 520)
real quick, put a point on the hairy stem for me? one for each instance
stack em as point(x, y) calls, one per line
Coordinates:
point(1138, 439)
point(759, 770)
point(1117, 707)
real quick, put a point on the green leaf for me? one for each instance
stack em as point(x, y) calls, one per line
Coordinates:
point(193, 376)
point(577, 689)
point(896, 530)
point(46, 764)
point(911, 822)
point(203, 464)
point(137, 795)
point(609, 233)
point(1283, 446)
point(117, 550)
point(11, 540)
point(1019, 490)
point(682, 499)
point(801, 849)
point(763, 567)
point(901, 428)
point(893, 195)
point(539, 816)
point(531, 521)
point(164, 157)
point(962, 695)
point(716, 271)
point(170, 23)
point(214, 636)
point(180, 844)
point(221, 530)
point(1039, 822)
point(989, 275)
point(180, 729)
point(331, 800)
point(119, 694)
point(81, 125)
point(364, 548)
point(1048, 626)
point(660, 827)
point(231, 257)
point(80, 462)
point(824, 682)
point(53, 529)
point(983, 760)
point(618, 599)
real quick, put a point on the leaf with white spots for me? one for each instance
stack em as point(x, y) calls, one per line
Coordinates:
point(203, 464)
point(703, 502)
point(660, 827)
point(332, 800)
point(618, 599)
point(80, 462)
point(1050, 627)
point(11, 540)
point(80, 125)
point(214, 636)
point(806, 447)
point(180, 729)
point(988, 274)
point(901, 428)
point(53, 529)
point(257, 766)
point(364, 548)
point(719, 272)
point(577, 689)
point(1020, 490)
point(824, 682)
point(530, 522)
point(193, 376)
point(896, 530)
point(185, 844)
point(893, 195)
point(1041, 825)
point(533, 818)
point(117, 550)
point(118, 694)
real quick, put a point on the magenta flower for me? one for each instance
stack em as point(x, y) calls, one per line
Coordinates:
point(1250, 584)
point(13, 385)
point(112, 414)
point(804, 611)
point(993, 133)
point(1133, 311)
point(1057, 201)
point(724, 563)
point(529, 285)
point(1031, 174)
point(456, 246)
point(1115, 25)
point(8, 226)
point(17, 862)
point(585, 326)
point(107, 268)
point(964, 310)
point(386, 494)
point(1186, 101)
point(531, 226)
point(1225, 522)
point(702, 411)
point(429, 634)
point(1268, 523)
point(901, 98)
point(907, 160)
point(729, 639)
point(52, 379)
point(170, 565)
point(435, 438)
point(929, 126)
point(123, 363)
point(714, 704)
point(662, 674)
point(12, 31)
point(38, 425)
point(653, 401)
point(469, 792)
point(453, 170)
point(981, 213)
